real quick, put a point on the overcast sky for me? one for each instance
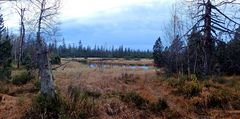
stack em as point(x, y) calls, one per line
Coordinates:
point(131, 23)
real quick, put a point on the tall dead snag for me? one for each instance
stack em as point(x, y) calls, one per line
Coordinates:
point(208, 39)
point(46, 10)
point(21, 10)
point(211, 23)
point(173, 30)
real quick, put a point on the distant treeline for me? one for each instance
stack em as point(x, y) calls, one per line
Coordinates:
point(98, 51)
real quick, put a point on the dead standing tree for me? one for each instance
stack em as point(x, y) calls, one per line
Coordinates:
point(211, 21)
point(173, 30)
point(21, 10)
point(46, 10)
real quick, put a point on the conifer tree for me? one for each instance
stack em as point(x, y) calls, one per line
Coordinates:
point(158, 53)
point(5, 52)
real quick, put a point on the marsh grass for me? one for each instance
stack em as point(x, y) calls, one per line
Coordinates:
point(46, 107)
point(82, 103)
point(128, 78)
point(144, 104)
point(219, 99)
point(136, 99)
point(125, 93)
point(159, 106)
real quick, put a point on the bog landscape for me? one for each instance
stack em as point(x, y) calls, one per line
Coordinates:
point(191, 70)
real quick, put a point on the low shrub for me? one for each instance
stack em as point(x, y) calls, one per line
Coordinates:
point(235, 101)
point(75, 92)
point(82, 103)
point(46, 108)
point(207, 84)
point(172, 114)
point(114, 107)
point(56, 60)
point(176, 82)
point(180, 81)
point(5, 73)
point(198, 103)
point(159, 106)
point(79, 104)
point(128, 78)
point(185, 78)
point(190, 89)
point(136, 99)
point(144, 104)
point(234, 84)
point(93, 94)
point(29, 62)
point(112, 94)
point(4, 89)
point(218, 99)
point(21, 78)
point(37, 84)
point(219, 80)
point(166, 76)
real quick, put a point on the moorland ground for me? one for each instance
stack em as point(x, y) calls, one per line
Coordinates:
point(123, 92)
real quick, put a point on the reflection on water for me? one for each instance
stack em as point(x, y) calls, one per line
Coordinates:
point(116, 66)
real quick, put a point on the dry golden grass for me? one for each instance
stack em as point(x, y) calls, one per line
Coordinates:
point(15, 103)
point(113, 83)
point(108, 81)
point(120, 80)
point(115, 61)
point(15, 100)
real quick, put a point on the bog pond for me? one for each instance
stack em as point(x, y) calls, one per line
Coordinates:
point(95, 65)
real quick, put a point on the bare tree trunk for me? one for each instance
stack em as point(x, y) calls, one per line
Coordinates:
point(188, 60)
point(22, 36)
point(195, 62)
point(45, 71)
point(208, 40)
point(15, 50)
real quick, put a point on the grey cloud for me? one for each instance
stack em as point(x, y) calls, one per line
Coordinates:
point(137, 27)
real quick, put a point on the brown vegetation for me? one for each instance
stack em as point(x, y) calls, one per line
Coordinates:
point(115, 61)
point(15, 100)
point(128, 93)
